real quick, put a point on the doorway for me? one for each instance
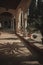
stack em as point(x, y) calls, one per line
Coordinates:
point(6, 19)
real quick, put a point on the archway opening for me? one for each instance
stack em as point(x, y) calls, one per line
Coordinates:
point(6, 22)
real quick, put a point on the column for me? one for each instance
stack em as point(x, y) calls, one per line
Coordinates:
point(26, 27)
point(13, 24)
point(25, 24)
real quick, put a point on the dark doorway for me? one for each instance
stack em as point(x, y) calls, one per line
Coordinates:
point(6, 20)
point(7, 24)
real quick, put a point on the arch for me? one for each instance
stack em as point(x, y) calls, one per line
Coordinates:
point(6, 21)
point(6, 14)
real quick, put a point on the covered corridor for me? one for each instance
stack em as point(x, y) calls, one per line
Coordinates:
point(21, 32)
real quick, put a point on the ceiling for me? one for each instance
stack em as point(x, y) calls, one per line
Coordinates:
point(9, 4)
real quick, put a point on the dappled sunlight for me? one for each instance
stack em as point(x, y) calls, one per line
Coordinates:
point(30, 63)
point(39, 45)
point(14, 50)
point(7, 35)
point(10, 44)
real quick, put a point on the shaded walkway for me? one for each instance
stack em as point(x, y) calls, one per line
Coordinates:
point(15, 52)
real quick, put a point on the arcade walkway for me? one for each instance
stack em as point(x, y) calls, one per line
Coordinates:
point(13, 51)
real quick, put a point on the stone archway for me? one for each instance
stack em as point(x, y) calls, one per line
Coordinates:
point(7, 21)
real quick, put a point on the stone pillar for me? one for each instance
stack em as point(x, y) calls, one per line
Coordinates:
point(19, 23)
point(25, 27)
point(13, 24)
point(25, 24)
point(0, 25)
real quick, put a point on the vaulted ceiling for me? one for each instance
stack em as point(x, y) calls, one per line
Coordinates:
point(9, 4)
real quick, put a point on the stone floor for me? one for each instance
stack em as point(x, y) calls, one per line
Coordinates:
point(13, 51)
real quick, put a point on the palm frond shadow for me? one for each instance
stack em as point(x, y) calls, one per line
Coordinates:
point(8, 48)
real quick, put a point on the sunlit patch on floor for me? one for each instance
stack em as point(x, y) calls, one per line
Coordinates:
point(30, 63)
point(15, 46)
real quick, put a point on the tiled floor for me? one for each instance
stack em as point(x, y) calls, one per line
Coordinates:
point(14, 51)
